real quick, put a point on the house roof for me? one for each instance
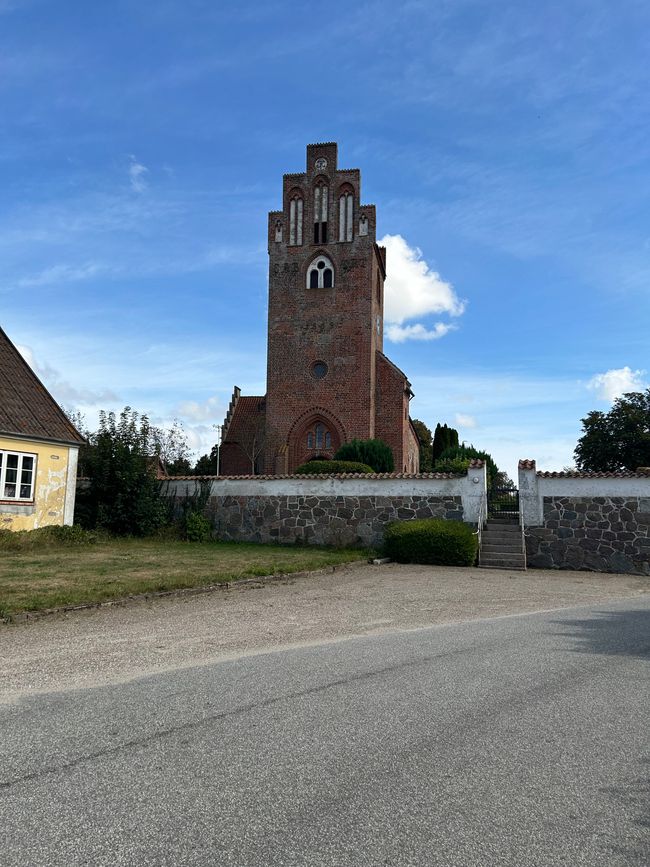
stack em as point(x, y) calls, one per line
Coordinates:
point(27, 409)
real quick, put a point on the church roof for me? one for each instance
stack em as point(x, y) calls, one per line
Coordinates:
point(245, 416)
point(26, 407)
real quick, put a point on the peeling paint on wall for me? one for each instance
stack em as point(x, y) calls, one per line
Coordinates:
point(49, 506)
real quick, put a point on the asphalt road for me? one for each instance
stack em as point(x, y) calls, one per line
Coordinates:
point(518, 741)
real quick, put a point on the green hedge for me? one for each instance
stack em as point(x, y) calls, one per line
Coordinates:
point(376, 453)
point(329, 467)
point(431, 540)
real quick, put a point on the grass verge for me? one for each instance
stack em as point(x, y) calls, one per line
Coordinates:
point(32, 579)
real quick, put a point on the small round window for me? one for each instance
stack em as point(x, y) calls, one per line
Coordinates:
point(318, 369)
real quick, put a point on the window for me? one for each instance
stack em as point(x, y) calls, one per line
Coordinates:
point(321, 196)
point(363, 225)
point(17, 476)
point(346, 208)
point(319, 370)
point(295, 219)
point(320, 274)
point(319, 437)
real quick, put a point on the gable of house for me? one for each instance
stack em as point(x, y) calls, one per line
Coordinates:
point(38, 448)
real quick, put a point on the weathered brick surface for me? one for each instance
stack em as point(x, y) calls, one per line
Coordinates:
point(607, 534)
point(340, 326)
point(322, 520)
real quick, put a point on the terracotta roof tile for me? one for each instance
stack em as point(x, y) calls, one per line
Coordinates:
point(577, 475)
point(330, 476)
point(26, 406)
point(527, 464)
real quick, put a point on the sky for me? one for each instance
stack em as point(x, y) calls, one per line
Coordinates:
point(504, 144)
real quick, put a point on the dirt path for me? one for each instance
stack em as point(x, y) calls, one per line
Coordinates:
point(111, 645)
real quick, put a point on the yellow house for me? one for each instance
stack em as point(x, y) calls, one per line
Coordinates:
point(39, 447)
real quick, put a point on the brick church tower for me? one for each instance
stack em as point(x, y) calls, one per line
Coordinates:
point(328, 380)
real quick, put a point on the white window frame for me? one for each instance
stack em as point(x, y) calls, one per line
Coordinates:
point(321, 272)
point(4, 454)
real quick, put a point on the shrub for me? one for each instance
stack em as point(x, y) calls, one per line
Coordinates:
point(328, 467)
point(452, 465)
point(44, 537)
point(197, 528)
point(376, 453)
point(464, 454)
point(192, 523)
point(431, 540)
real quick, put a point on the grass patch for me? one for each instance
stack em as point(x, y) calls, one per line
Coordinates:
point(33, 578)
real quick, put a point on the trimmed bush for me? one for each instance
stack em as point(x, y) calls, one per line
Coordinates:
point(326, 468)
point(376, 453)
point(431, 540)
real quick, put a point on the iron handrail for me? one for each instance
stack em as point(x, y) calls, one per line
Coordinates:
point(523, 532)
point(482, 517)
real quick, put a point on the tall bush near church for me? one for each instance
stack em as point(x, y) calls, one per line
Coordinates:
point(376, 453)
point(124, 496)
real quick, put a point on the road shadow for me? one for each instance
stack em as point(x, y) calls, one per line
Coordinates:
point(613, 633)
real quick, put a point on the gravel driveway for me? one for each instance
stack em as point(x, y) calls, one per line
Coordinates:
point(118, 643)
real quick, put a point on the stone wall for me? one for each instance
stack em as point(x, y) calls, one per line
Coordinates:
point(592, 521)
point(333, 510)
point(322, 520)
point(608, 534)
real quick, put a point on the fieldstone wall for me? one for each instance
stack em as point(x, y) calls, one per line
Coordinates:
point(607, 534)
point(341, 521)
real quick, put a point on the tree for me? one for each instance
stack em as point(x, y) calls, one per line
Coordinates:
point(170, 444)
point(376, 453)
point(123, 496)
point(618, 439)
point(443, 438)
point(457, 458)
point(426, 441)
point(208, 465)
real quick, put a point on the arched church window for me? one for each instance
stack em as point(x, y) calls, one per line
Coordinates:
point(320, 274)
point(319, 437)
point(295, 219)
point(363, 225)
point(278, 231)
point(321, 207)
point(346, 210)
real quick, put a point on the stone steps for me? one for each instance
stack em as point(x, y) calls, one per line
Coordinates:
point(502, 545)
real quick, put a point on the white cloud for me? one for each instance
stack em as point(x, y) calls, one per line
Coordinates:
point(137, 174)
point(61, 390)
point(212, 408)
point(400, 333)
point(61, 274)
point(463, 420)
point(616, 382)
point(413, 290)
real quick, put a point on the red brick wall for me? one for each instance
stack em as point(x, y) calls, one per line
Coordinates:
point(337, 325)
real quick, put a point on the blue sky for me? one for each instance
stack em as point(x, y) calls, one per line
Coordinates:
point(505, 145)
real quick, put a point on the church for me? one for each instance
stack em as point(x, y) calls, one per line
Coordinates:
point(328, 380)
